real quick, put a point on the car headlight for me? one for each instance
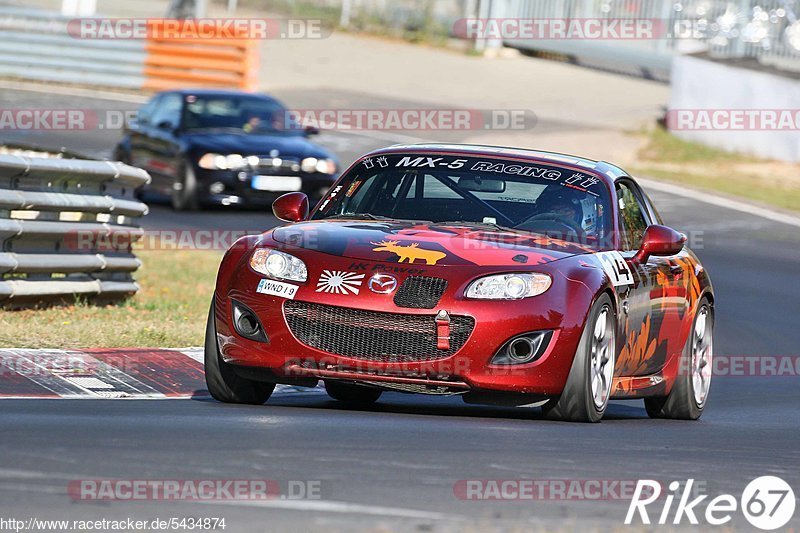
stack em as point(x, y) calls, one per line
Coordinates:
point(278, 265)
point(212, 161)
point(323, 166)
point(508, 286)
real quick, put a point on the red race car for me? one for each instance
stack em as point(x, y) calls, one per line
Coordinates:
point(506, 276)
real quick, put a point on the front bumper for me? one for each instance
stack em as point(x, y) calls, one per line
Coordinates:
point(462, 369)
point(228, 187)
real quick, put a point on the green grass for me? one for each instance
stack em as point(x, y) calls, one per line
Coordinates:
point(667, 147)
point(418, 28)
point(669, 158)
point(328, 15)
point(742, 186)
point(170, 310)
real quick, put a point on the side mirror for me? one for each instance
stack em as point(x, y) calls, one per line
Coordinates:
point(311, 130)
point(291, 207)
point(659, 241)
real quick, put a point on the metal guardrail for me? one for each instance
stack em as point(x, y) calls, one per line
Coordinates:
point(66, 229)
point(36, 45)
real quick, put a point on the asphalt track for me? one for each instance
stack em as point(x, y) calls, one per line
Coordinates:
point(395, 466)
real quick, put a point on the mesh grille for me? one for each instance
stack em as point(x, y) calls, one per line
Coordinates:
point(420, 292)
point(371, 335)
point(416, 389)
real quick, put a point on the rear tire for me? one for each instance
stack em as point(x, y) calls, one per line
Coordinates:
point(352, 394)
point(222, 381)
point(184, 195)
point(689, 393)
point(121, 155)
point(589, 385)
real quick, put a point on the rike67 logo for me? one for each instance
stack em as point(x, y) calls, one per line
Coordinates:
point(767, 502)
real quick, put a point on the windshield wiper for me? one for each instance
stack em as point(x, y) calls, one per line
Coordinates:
point(201, 129)
point(370, 216)
point(472, 223)
point(360, 216)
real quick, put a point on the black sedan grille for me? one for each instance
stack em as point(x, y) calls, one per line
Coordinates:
point(372, 335)
point(287, 167)
point(420, 292)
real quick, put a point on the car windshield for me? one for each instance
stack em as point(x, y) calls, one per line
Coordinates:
point(480, 191)
point(244, 114)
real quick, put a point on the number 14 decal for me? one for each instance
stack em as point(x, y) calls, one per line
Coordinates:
point(616, 268)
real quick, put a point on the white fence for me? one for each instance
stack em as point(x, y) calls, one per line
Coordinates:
point(768, 30)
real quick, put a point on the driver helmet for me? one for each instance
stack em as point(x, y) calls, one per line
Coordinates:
point(562, 202)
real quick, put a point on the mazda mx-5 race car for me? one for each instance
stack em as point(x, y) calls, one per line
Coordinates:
point(507, 276)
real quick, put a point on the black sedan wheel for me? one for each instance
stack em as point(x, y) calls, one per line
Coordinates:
point(184, 190)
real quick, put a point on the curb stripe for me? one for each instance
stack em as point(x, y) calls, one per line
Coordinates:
point(141, 373)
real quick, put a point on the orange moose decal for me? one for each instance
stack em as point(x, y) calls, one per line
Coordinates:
point(410, 253)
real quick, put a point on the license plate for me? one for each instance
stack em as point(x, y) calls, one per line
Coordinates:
point(277, 183)
point(277, 288)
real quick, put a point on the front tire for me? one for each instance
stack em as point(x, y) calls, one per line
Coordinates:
point(689, 393)
point(589, 385)
point(352, 394)
point(184, 190)
point(222, 381)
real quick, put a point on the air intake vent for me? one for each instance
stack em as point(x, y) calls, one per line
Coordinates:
point(420, 292)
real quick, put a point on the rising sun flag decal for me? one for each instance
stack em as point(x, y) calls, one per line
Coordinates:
point(339, 282)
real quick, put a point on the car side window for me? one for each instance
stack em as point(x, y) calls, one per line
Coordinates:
point(168, 111)
point(633, 222)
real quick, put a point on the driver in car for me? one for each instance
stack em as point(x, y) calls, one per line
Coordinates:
point(565, 208)
point(562, 207)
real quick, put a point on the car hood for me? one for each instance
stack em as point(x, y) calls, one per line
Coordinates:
point(255, 144)
point(415, 243)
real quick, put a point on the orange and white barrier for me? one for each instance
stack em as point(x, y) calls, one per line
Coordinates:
point(218, 58)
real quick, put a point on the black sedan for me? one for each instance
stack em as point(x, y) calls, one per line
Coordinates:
point(206, 147)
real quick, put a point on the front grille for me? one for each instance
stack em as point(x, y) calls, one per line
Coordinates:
point(372, 335)
point(420, 292)
point(287, 167)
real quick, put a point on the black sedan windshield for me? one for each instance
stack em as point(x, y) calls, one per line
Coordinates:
point(448, 189)
point(247, 114)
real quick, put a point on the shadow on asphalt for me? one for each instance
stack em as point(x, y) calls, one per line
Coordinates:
point(444, 407)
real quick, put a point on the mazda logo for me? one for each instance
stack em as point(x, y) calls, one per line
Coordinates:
point(382, 283)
